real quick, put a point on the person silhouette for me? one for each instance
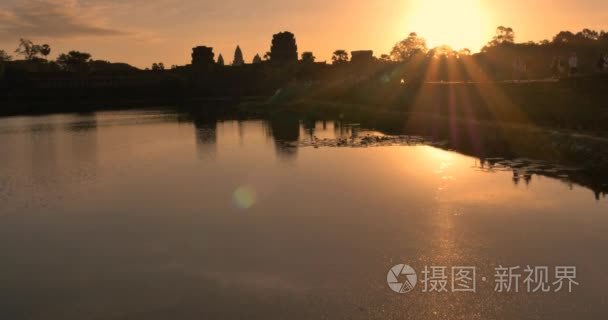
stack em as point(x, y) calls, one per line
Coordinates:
point(556, 67)
point(600, 63)
point(573, 64)
point(523, 70)
point(517, 69)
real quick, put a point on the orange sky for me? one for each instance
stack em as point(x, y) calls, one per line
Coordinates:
point(140, 32)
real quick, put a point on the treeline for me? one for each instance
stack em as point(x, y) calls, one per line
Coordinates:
point(35, 59)
point(410, 60)
point(496, 60)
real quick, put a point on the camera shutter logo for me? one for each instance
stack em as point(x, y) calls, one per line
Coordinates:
point(402, 278)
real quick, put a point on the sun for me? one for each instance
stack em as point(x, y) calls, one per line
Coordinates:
point(457, 23)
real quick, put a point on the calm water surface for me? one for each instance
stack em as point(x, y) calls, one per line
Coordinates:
point(146, 215)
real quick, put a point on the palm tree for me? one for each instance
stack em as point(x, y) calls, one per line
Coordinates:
point(45, 50)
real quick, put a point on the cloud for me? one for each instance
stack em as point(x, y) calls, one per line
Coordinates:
point(54, 18)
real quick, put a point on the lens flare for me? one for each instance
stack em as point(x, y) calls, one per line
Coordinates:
point(244, 197)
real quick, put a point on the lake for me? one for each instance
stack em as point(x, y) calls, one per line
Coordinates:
point(157, 215)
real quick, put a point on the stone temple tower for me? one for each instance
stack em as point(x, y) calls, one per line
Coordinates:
point(202, 57)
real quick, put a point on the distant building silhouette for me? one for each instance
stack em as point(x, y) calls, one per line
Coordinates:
point(285, 132)
point(238, 57)
point(284, 48)
point(362, 56)
point(202, 56)
point(257, 59)
point(205, 127)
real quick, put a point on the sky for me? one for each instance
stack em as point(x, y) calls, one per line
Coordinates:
point(140, 32)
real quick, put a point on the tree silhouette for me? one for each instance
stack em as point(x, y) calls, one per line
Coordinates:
point(547, 58)
point(564, 37)
point(588, 34)
point(109, 67)
point(238, 57)
point(584, 36)
point(442, 51)
point(504, 35)
point(74, 61)
point(339, 57)
point(257, 59)
point(405, 49)
point(45, 50)
point(385, 58)
point(284, 48)
point(27, 49)
point(4, 56)
point(158, 66)
point(267, 56)
point(220, 60)
point(464, 52)
point(308, 57)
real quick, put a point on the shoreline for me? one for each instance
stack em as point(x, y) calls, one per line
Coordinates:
point(516, 147)
point(564, 122)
